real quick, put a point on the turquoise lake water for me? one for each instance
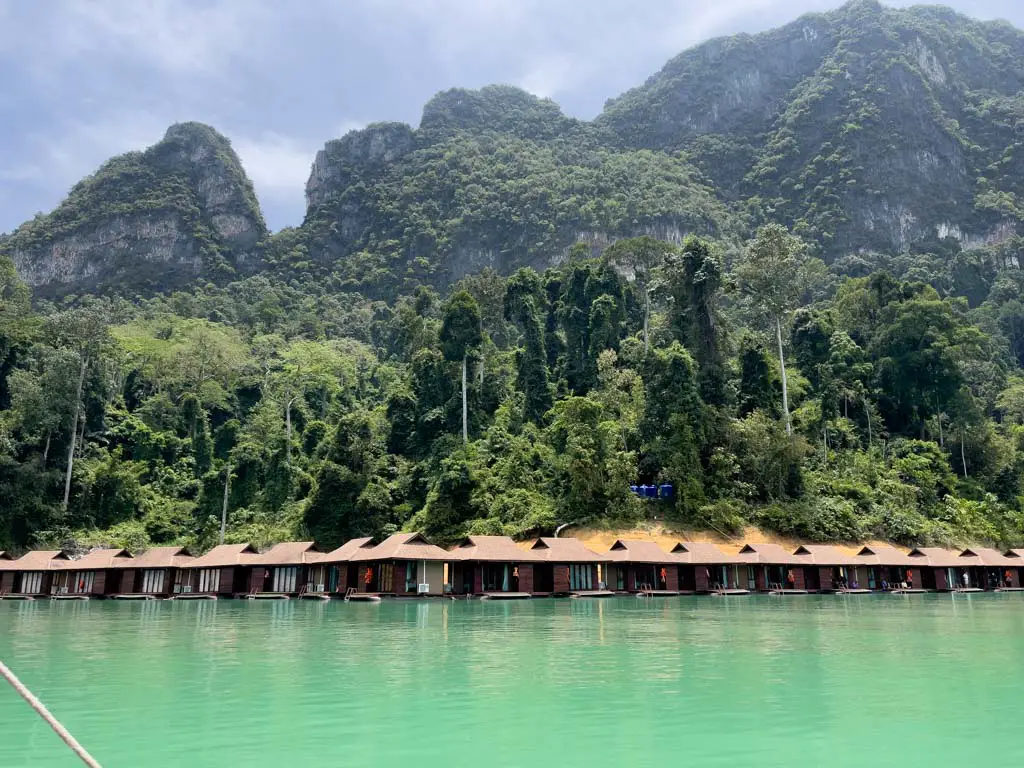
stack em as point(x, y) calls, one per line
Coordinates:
point(699, 681)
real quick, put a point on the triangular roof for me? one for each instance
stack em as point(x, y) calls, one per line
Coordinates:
point(290, 553)
point(226, 556)
point(990, 557)
point(702, 553)
point(162, 557)
point(36, 560)
point(638, 551)
point(1012, 553)
point(402, 546)
point(565, 551)
point(767, 554)
point(823, 554)
point(100, 559)
point(883, 554)
point(494, 549)
point(345, 552)
point(937, 557)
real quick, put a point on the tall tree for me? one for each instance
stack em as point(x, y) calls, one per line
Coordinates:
point(639, 258)
point(772, 276)
point(524, 298)
point(461, 337)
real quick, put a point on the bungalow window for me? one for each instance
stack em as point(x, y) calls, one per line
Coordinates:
point(751, 578)
point(410, 576)
point(209, 580)
point(580, 577)
point(83, 582)
point(153, 581)
point(387, 577)
point(31, 583)
point(620, 579)
point(285, 579)
point(496, 578)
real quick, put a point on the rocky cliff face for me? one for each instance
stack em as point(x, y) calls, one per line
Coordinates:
point(148, 220)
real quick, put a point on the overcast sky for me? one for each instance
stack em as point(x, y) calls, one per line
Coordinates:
point(87, 79)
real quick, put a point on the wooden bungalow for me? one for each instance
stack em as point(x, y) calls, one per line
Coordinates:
point(821, 567)
point(340, 572)
point(993, 569)
point(641, 567)
point(771, 568)
point(30, 575)
point(881, 566)
point(403, 565)
point(286, 570)
point(157, 572)
point(1016, 571)
point(566, 567)
point(223, 571)
point(97, 574)
point(945, 570)
point(705, 567)
point(493, 567)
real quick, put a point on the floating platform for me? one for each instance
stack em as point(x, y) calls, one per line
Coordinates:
point(659, 593)
point(314, 596)
point(134, 597)
point(908, 591)
point(588, 593)
point(969, 590)
point(26, 598)
point(268, 596)
point(853, 592)
point(362, 597)
point(69, 597)
point(505, 596)
point(189, 596)
point(729, 592)
point(1008, 589)
point(783, 592)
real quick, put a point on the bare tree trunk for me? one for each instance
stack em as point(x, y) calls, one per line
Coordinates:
point(224, 506)
point(465, 408)
point(46, 448)
point(647, 320)
point(288, 429)
point(74, 432)
point(867, 412)
point(963, 458)
point(785, 383)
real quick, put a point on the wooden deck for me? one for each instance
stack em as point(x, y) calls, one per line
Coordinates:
point(908, 591)
point(1009, 589)
point(268, 596)
point(363, 597)
point(729, 592)
point(853, 592)
point(70, 597)
point(659, 593)
point(314, 596)
point(134, 597)
point(591, 593)
point(16, 596)
point(505, 596)
point(782, 592)
point(193, 596)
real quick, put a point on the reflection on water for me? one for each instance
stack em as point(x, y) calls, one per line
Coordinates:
point(625, 681)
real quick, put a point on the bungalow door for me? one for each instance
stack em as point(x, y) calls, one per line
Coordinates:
point(285, 579)
point(153, 581)
point(31, 583)
point(580, 577)
point(209, 580)
point(83, 582)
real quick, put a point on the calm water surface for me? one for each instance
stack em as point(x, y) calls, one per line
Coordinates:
point(819, 680)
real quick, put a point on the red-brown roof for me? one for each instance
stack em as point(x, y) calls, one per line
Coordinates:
point(990, 557)
point(823, 554)
point(767, 554)
point(702, 553)
point(36, 560)
point(290, 553)
point(937, 557)
point(98, 560)
point(494, 549)
point(345, 552)
point(402, 546)
point(1012, 553)
point(161, 557)
point(638, 551)
point(226, 556)
point(565, 551)
point(883, 554)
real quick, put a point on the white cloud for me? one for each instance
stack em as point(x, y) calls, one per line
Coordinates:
point(276, 164)
point(351, 125)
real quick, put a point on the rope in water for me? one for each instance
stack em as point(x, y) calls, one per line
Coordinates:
point(44, 713)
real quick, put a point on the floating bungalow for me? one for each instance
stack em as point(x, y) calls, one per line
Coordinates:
point(823, 566)
point(704, 567)
point(96, 574)
point(880, 566)
point(157, 572)
point(30, 575)
point(287, 570)
point(493, 567)
point(342, 574)
point(771, 568)
point(566, 567)
point(224, 570)
point(641, 567)
point(403, 565)
point(991, 569)
point(945, 570)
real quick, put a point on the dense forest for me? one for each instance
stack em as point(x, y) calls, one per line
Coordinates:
point(793, 293)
